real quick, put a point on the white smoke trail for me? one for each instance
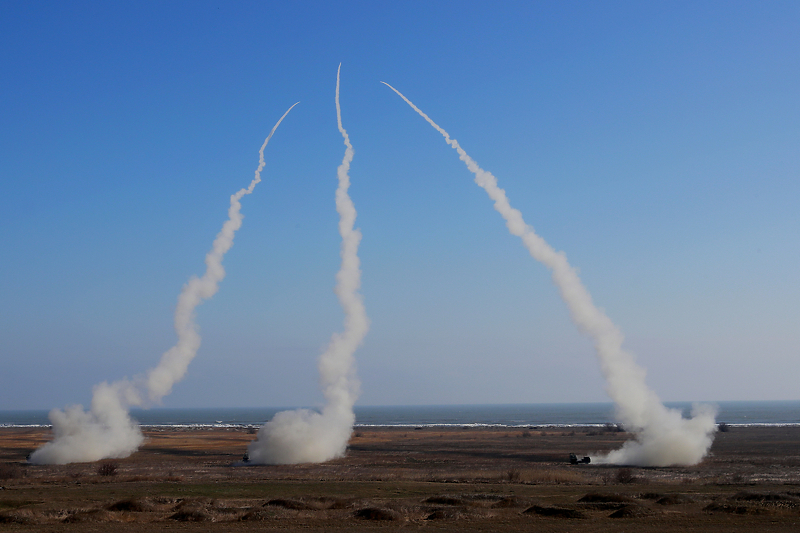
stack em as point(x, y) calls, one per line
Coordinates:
point(107, 430)
point(304, 436)
point(662, 436)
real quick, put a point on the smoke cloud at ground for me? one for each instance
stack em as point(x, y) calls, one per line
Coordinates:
point(304, 436)
point(662, 436)
point(106, 430)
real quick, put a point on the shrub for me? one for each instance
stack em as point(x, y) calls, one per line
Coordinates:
point(513, 475)
point(625, 475)
point(107, 469)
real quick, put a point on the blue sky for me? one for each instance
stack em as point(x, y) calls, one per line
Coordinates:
point(655, 143)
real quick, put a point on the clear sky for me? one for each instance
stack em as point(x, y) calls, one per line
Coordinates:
point(656, 143)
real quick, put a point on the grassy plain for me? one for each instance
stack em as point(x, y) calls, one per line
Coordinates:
point(392, 479)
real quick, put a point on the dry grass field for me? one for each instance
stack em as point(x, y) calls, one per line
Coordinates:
point(460, 479)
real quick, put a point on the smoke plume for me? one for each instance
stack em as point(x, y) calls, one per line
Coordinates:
point(107, 430)
point(662, 436)
point(304, 436)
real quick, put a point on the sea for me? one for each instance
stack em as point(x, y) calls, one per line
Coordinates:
point(771, 413)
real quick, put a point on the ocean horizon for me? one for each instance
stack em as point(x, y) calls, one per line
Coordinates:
point(732, 413)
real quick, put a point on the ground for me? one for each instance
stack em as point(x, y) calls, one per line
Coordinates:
point(430, 479)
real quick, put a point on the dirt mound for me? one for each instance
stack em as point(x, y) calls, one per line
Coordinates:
point(135, 505)
point(194, 510)
point(312, 503)
point(651, 495)
point(556, 512)
point(90, 515)
point(445, 514)
point(483, 496)
point(22, 516)
point(507, 503)
point(164, 500)
point(342, 503)
point(596, 497)
point(754, 503)
point(631, 511)
point(257, 515)
point(328, 502)
point(195, 503)
point(675, 499)
point(191, 515)
point(718, 507)
point(444, 500)
point(765, 497)
point(376, 513)
point(297, 505)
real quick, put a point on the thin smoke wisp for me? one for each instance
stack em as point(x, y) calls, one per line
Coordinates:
point(662, 436)
point(106, 430)
point(306, 436)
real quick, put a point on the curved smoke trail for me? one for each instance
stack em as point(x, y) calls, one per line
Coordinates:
point(107, 430)
point(304, 436)
point(662, 436)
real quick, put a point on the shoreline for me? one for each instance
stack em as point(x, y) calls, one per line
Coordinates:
point(737, 412)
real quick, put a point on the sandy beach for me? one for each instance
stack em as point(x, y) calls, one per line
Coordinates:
point(458, 479)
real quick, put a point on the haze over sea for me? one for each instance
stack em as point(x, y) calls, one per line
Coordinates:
point(771, 413)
